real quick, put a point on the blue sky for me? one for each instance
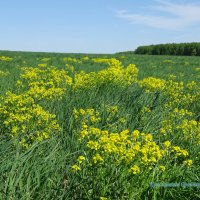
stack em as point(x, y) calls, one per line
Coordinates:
point(96, 26)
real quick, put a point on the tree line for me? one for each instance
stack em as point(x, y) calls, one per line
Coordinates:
point(182, 49)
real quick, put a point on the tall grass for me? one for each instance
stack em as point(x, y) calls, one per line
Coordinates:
point(43, 171)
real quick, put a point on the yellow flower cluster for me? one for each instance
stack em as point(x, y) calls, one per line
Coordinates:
point(45, 82)
point(178, 121)
point(192, 85)
point(4, 73)
point(69, 68)
point(175, 92)
point(188, 162)
point(75, 168)
point(190, 129)
point(5, 58)
point(21, 117)
point(45, 59)
point(97, 158)
point(103, 198)
point(115, 74)
point(81, 159)
point(162, 168)
point(72, 60)
point(197, 68)
point(145, 110)
point(134, 150)
point(88, 116)
point(134, 169)
point(179, 152)
point(178, 94)
point(25, 120)
point(180, 113)
point(108, 61)
point(85, 58)
point(42, 65)
point(152, 84)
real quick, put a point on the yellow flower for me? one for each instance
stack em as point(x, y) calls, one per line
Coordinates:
point(148, 137)
point(20, 112)
point(135, 134)
point(146, 109)
point(188, 162)
point(97, 158)
point(93, 145)
point(3, 73)
point(75, 168)
point(83, 133)
point(163, 131)
point(115, 74)
point(122, 120)
point(134, 169)
point(152, 84)
point(179, 151)
point(14, 129)
point(166, 144)
point(103, 198)
point(42, 65)
point(81, 159)
point(162, 168)
point(82, 112)
point(5, 58)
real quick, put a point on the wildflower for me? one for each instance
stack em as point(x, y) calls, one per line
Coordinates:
point(148, 137)
point(152, 84)
point(146, 109)
point(103, 198)
point(82, 112)
point(188, 162)
point(122, 120)
point(83, 133)
point(166, 144)
point(81, 159)
point(14, 129)
point(162, 168)
point(179, 151)
point(5, 58)
point(75, 168)
point(42, 65)
point(97, 158)
point(20, 112)
point(135, 134)
point(115, 74)
point(3, 73)
point(134, 169)
point(93, 145)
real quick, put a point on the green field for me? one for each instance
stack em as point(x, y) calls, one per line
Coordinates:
point(77, 126)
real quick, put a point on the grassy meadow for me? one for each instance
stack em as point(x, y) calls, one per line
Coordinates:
point(107, 127)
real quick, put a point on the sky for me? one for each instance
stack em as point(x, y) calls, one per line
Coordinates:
point(96, 26)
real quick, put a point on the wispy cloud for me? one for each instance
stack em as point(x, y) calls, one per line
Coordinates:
point(179, 16)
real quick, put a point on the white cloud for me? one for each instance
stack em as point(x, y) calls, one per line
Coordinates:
point(179, 15)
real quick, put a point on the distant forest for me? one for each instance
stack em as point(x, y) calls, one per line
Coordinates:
point(182, 49)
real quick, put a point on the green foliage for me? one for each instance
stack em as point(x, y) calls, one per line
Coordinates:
point(182, 49)
point(44, 171)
